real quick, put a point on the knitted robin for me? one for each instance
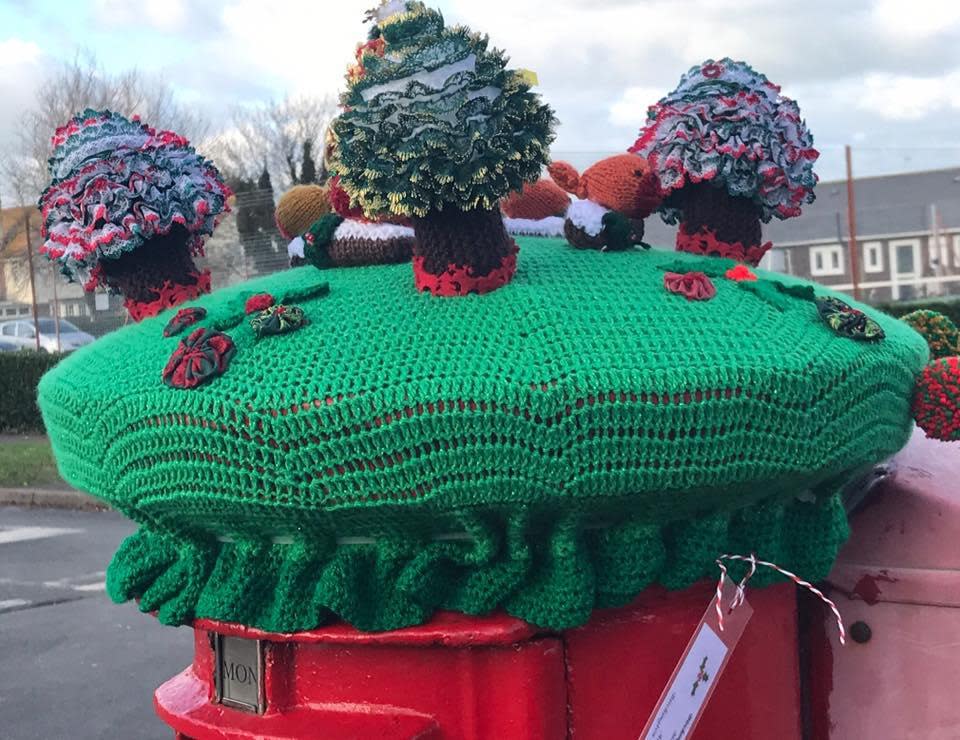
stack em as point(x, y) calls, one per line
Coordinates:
point(615, 194)
point(538, 209)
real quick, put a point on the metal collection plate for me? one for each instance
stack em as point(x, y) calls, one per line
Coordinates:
point(238, 673)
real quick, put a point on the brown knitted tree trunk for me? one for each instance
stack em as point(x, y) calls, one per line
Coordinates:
point(157, 275)
point(718, 224)
point(469, 250)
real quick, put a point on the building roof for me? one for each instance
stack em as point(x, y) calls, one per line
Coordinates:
point(887, 204)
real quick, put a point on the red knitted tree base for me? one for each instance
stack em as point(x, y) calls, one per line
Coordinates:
point(169, 295)
point(458, 280)
point(705, 242)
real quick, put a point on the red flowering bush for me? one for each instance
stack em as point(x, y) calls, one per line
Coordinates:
point(936, 402)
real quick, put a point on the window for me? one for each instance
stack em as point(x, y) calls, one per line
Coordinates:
point(905, 257)
point(775, 260)
point(9, 330)
point(25, 330)
point(872, 257)
point(826, 260)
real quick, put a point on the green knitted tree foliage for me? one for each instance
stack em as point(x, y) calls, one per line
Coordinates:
point(435, 127)
point(437, 121)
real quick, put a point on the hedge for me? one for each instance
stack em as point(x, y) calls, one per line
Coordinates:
point(20, 372)
point(949, 307)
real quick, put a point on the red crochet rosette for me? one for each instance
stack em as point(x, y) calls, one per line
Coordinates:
point(694, 286)
point(182, 319)
point(258, 302)
point(739, 273)
point(936, 402)
point(200, 357)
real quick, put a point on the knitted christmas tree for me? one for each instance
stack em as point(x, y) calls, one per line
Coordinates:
point(730, 152)
point(435, 127)
point(128, 207)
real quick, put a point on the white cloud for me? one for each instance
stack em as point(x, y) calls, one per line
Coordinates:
point(17, 53)
point(909, 98)
point(306, 47)
point(167, 16)
point(630, 109)
point(917, 20)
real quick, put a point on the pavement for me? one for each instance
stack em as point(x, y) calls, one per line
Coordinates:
point(75, 665)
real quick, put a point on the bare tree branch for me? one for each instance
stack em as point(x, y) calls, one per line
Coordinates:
point(82, 83)
point(272, 136)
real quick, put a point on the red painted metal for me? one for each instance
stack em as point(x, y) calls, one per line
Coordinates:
point(497, 677)
point(899, 575)
point(619, 663)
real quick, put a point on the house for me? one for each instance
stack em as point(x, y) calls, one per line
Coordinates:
point(15, 291)
point(908, 236)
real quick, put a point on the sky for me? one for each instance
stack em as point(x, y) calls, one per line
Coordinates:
point(880, 75)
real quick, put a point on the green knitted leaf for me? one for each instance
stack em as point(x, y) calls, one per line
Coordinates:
point(848, 321)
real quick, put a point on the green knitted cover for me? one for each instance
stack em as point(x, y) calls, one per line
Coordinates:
point(551, 447)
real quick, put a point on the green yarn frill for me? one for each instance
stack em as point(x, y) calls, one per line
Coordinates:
point(551, 447)
point(547, 571)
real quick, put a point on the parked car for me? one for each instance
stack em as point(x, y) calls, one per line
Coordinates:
point(22, 334)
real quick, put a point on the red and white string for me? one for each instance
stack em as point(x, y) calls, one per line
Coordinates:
point(740, 594)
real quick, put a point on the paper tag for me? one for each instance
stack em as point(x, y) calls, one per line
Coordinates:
point(689, 688)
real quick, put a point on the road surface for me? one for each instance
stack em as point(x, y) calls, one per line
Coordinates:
point(72, 663)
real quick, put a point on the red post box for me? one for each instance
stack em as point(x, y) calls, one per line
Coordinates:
point(486, 677)
point(897, 583)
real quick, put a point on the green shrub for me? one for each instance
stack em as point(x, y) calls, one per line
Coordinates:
point(948, 306)
point(19, 374)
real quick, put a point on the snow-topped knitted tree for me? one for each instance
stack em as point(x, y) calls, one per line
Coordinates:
point(435, 127)
point(730, 151)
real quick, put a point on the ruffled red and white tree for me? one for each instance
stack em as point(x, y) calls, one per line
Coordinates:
point(128, 208)
point(730, 151)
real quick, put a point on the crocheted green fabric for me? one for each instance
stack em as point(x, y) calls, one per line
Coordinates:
point(549, 448)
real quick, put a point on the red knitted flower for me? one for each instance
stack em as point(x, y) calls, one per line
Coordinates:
point(694, 286)
point(936, 401)
point(182, 319)
point(712, 70)
point(258, 302)
point(740, 272)
point(201, 356)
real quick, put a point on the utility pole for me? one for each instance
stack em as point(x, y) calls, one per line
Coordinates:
point(852, 226)
point(33, 285)
point(56, 310)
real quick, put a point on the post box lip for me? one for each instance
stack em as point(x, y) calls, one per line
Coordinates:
point(449, 629)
